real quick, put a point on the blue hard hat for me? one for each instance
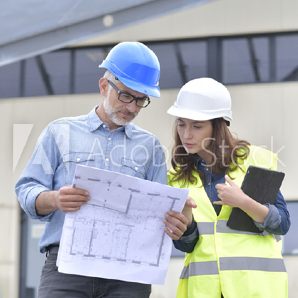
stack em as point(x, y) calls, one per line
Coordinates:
point(134, 65)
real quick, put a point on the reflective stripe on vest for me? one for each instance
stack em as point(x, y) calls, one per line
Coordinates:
point(233, 263)
point(199, 268)
point(207, 228)
point(251, 263)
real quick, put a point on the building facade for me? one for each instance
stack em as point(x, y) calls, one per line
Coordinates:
point(251, 46)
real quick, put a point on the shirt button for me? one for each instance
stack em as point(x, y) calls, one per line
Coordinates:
point(107, 159)
point(78, 159)
point(208, 183)
point(207, 169)
point(109, 139)
point(104, 126)
point(136, 168)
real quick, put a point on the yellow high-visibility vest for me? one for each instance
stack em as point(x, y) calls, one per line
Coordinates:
point(235, 263)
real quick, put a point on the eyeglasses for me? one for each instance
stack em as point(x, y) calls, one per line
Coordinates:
point(128, 98)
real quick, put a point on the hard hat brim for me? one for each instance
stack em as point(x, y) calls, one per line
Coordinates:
point(199, 116)
point(144, 89)
point(136, 86)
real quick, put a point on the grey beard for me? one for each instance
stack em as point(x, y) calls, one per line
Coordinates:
point(112, 113)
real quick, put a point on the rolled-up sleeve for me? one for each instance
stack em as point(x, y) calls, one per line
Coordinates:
point(189, 239)
point(278, 220)
point(38, 175)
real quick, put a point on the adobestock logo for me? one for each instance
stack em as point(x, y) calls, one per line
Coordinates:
point(59, 137)
point(224, 147)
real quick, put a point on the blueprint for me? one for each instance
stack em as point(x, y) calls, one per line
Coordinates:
point(119, 233)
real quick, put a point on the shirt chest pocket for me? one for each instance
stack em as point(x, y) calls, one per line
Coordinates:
point(132, 168)
point(70, 161)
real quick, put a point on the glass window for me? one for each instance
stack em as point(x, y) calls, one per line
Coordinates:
point(287, 58)
point(34, 83)
point(242, 60)
point(194, 57)
point(57, 65)
point(290, 240)
point(87, 72)
point(261, 47)
point(10, 80)
point(245, 60)
point(170, 76)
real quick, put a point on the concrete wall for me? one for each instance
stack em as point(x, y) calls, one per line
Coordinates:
point(219, 17)
point(264, 114)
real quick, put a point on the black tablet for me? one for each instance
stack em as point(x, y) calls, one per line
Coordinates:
point(262, 185)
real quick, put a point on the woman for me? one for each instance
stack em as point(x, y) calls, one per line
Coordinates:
point(207, 159)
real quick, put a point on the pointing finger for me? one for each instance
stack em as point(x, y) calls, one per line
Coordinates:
point(229, 180)
point(218, 202)
point(190, 203)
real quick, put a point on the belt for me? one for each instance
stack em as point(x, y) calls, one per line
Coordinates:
point(52, 249)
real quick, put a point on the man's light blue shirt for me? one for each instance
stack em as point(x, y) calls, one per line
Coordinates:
point(85, 140)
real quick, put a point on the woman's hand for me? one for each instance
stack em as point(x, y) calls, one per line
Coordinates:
point(232, 195)
point(176, 223)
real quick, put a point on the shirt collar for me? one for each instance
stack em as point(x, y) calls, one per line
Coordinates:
point(198, 161)
point(95, 122)
point(200, 164)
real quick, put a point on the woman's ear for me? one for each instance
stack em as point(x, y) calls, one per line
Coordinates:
point(103, 86)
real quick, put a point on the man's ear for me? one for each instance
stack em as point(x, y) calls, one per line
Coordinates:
point(103, 86)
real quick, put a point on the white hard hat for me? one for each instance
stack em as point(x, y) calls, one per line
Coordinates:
point(202, 99)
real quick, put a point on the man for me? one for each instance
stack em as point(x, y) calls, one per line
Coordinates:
point(106, 139)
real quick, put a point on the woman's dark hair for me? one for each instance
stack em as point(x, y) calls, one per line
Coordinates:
point(225, 154)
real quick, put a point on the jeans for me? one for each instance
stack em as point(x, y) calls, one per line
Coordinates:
point(54, 284)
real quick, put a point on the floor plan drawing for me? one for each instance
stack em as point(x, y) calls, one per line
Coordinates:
point(122, 225)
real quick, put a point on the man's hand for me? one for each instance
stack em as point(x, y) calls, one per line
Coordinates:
point(176, 223)
point(70, 199)
point(67, 199)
